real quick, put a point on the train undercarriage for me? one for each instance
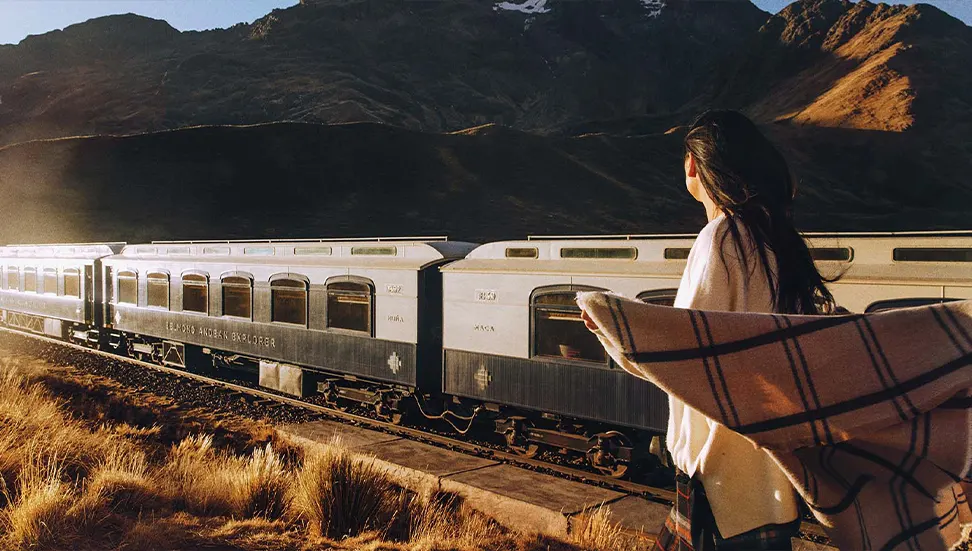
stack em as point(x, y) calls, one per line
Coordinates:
point(611, 451)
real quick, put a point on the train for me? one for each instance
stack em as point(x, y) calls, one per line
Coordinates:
point(420, 328)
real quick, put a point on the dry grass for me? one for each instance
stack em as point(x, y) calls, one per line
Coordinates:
point(86, 464)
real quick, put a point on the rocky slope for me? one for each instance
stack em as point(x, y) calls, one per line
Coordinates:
point(438, 66)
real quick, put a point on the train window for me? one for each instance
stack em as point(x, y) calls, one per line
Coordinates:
point(374, 251)
point(677, 253)
point(521, 252)
point(127, 287)
point(894, 304)
point(225, 251)
point(237, 296)
point(659, 297)
point(158, 289)
point(50, 281)
point(72, 283)
point(350, 305)
point(30, 280)
point(832, 254)
point(932, 254)
point(322, 251)
point(288, 301)
point(258, 251)
point(558, 330)
point(172, 251)
point(600, 253)
point(13, 278)
point(195, 293)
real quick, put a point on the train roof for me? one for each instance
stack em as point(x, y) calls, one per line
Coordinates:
point(655, 255)
point(400, 253)
point(879, 257)
point(61, 250)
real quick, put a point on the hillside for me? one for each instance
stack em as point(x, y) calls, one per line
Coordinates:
point(434, 66)
point(304, 180)
point(871, 102)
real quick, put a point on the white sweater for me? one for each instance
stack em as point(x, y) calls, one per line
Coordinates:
point(745, 486)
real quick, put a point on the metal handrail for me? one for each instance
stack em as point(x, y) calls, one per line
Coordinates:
point(618, 236)
point(108, 243)
point(304, 240)
point(921, 233)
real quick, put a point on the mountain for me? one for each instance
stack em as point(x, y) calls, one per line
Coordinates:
point(434, 66)
point(479, 119)
point(838, 64)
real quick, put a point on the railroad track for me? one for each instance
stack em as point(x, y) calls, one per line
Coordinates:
point(271, 399)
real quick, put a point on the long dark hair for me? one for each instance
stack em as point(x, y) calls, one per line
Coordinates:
point(750, 181)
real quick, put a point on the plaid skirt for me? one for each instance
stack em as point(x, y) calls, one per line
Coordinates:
point(691, 526)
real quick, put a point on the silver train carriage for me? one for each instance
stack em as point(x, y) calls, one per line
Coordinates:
point(356, 320)
point(514, 342)
point(54, 290)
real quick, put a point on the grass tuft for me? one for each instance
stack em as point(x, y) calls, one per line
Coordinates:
point(339, 495)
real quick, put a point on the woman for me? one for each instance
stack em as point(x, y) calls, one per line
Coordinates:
point(748, 258)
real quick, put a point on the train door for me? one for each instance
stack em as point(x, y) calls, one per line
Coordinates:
point(109, 297)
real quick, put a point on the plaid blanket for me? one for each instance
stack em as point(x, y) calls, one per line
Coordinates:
point(869, 415)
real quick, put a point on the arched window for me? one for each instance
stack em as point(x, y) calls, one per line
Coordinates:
point(72, 283)
point(50, 281)
point(157, 289)
point(237, 296)
point(288, 301)
point(660, 297)
point(195, 293)
point(30, 280)
point(558, 330)
point(350, 304)
point(127, 287)
point(13, 278)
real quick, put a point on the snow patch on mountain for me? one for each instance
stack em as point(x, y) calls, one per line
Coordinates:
point(529, 6)
point(532, 7)
point(654, 7)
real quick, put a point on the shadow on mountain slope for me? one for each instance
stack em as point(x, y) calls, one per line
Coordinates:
point(303, 180)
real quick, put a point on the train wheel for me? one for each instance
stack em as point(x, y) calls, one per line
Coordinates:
point(603, 456)
point(387, 413)
point(517, 441)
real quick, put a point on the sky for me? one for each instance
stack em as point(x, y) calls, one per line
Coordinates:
point(19, 18)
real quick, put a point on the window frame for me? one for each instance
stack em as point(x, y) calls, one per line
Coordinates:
point(14, 270)
point(657, 294)
point(44, 273)
point(372, 303)
point(305, 282)
point(560, 289)
point(23, 279)
point(168, 288)
point(122, 274)
point(204, 283)
point(222, 292)
point(77, 273)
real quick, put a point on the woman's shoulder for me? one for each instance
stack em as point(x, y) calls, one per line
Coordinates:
point(711, 235)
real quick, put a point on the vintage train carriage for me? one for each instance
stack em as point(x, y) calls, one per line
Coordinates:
point(367, 310)
point(514, 340)
point(878, 271)
point(54, 289)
